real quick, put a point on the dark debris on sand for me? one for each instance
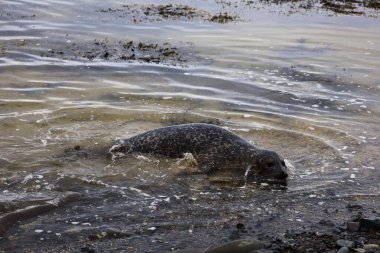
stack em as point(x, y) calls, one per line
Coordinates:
point(365, 237)
point(139, 13)
point(333, 7)
point(131, 51)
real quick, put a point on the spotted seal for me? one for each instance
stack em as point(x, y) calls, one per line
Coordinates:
point(214, 148)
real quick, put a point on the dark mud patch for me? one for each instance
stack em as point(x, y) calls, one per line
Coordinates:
point(288, 7)
point(311, 241)
point(9, 14)
point(9, 219)
point(342, 7)
point(121, 51)
point(9, 45)
point(222, 18)
point(188, 212)
point(3, 48)
point(156, 13)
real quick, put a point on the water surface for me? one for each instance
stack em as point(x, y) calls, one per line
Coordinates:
point(306, 85)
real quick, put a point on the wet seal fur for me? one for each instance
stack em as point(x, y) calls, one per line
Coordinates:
point(214, 148)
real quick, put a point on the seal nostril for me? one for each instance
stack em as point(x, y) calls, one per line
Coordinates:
point(283, 175)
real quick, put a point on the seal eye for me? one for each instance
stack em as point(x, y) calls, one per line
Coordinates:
point(270, 164)
point(283, 163)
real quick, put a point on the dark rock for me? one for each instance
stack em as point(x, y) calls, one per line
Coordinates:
point(362, 239)
point(330, 192)
point(87, 249)
point(345, 243)
point(342, 228)
point(304, 249)
point(328, 223)
point(331, 210)
point(238, 246)
point(343, 250)
point(370, 224)
point(352, 207)
point(240, 226)
point(301, 249)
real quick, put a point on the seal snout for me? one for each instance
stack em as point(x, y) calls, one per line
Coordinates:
point(283, 174)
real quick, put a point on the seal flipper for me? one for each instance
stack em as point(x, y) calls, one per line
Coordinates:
point(206, 162)
point(120, 149)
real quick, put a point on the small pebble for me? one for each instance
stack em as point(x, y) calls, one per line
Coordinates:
point(345, 243)
point(371, 247)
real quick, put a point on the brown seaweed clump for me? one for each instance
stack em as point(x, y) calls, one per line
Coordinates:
point(139, 13)
point(137, 51)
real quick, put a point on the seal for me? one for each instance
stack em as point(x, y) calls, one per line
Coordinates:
point(214, 148)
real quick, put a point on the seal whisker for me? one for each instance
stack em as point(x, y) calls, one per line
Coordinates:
point(247, 171)
point(290, 167)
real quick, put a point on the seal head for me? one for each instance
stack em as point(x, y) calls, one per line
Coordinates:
point(269, 164)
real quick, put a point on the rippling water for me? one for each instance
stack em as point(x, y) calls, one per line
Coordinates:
point(305, 85)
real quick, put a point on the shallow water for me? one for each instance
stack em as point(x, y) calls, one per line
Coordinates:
point(305, 85)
